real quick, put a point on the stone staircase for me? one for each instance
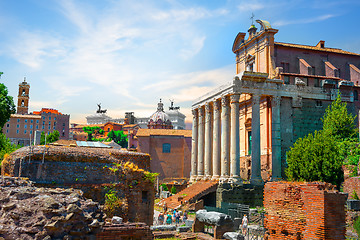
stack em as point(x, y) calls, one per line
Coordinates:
point(190, 194)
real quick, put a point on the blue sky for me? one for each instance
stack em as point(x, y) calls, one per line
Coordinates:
point(128, 54)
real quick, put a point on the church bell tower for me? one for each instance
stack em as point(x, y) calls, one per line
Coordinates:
point(23, 98)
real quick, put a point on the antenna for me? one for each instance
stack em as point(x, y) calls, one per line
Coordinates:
point(252, 18)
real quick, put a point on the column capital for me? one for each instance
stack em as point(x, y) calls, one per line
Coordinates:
point(275, 100)
point(194, 112)
point(201, 111)
point(217, 105)
point(255, 98)
point(208, 107)
point(225, 101)
point(234, 98)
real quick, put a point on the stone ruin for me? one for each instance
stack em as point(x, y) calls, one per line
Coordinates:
point(94, 171)
point(28, 212)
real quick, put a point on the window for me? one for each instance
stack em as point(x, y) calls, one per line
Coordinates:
point(313, 71)
point(17, 131)
point(25, 131)
point(26, 120)
point(43, 127)
point(108, 130)
point(306, 81)
point(249, 142)
point(7, 130)
point(356, 95)
point(25, 126)
point(63, 124)
point(166, 148)
point(37, 121)
point(54, 123)
point(54, 127)
point(32, 121)
point(54, 118)
point(18, 120)
point(7, 125)
point(316, 82)
point(144, 196)
point(31, 126)
point(37, 126)
point(17, 126)
point(318, 103)
point(30, 131)
point(22, 103)
point(286, 80)
point(49, 118)
point(43, 118)
point(49, 127)
point(43, 122)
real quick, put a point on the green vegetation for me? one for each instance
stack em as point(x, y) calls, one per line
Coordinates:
point(119, 137)
point(50, 138)
point(173, 190)
point(114, 204)
point(7, 106)
point(150, 176)
point(6, 147)
point(92, 132)
point(355, 196)
point(319, 156)
point(357, 225)
point(164, 187)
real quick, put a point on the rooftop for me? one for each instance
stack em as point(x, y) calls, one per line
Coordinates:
point(163, 132)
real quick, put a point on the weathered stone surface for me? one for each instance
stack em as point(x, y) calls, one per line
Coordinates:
point(116, 220)
point(233, 236)
point(163, 228)
point(213, 218)
point(183, 229)
point(42, 213)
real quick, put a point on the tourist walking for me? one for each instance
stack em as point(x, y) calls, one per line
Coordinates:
point(177, 217)
point(244, 224)
point(161, 218)
point(168, 219)
point(185, 217)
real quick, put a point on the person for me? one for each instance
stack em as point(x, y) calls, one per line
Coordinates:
point(185, 217)
point(177, 217)
point(161, 218)
point(244, 224)
point(168, 219)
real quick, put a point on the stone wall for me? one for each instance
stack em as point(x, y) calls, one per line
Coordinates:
point(88, 169)
point(244, 194)
point(352, 184)
point(304, 211)
point(125, 231)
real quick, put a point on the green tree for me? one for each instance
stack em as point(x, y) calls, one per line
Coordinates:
point(7, 106)
point(6, 147)
point(92, 132)
point(119, 137)
point(51, 137)
point(173, 190)
point(319, 156)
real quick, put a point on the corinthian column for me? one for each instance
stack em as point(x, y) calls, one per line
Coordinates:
point(234, 145)
point(200, 159)
point(255, 141)
point(216, 140)
point(194, 145)
point(275, 138)
point(208, 140)
point(225, 138)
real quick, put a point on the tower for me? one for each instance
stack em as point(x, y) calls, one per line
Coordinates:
point(23, 98)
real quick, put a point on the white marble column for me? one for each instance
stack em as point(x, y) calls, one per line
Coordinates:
point(255, 141)
point(225, 138)
point(216, 140)
point(208, 141)
point(194, 145)
point(275, 138)
point(200, 158)
point(234, 144)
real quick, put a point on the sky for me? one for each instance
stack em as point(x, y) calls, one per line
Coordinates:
point(128, 54)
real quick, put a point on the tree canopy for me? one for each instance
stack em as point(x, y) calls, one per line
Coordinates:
point(319, 156)
point(92, 132)
point(119, 137)
point(7, 106)
point(51, 137)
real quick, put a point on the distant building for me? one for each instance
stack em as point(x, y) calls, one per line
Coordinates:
point(21, 127)
point(176, 117)
point(159, 119)
point(170, 151)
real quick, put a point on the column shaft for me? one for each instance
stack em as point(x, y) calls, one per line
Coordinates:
point(225, 137)
point(194, 145)
point(217, 139)
point(208, 141)
point(255, 141)
point(275, 138)
point(200, 160)
point(235, 146)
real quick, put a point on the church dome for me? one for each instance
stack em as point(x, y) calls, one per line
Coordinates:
point(160, 119)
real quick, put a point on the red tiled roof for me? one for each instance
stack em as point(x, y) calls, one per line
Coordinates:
point(163, 132)
point(325, 49)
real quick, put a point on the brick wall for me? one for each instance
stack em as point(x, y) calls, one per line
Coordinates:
point(304, 211)
point(352, 184)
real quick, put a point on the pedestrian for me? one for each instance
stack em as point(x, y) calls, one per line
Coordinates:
point(168, 219)
point(185, 217)
point(161, 218)
point(244, 224)
point(177, 217)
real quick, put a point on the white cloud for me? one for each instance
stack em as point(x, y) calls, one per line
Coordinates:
point(248, 7)
point(304, 20)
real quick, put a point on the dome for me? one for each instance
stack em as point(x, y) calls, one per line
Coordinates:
point(160, 119)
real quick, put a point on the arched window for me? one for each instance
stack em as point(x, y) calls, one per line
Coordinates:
point(166, 148)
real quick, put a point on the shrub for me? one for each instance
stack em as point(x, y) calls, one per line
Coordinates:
point(173, 190)
point(357, 225)
point(164, 187)
point(355, 196)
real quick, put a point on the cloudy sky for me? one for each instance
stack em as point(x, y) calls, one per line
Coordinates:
point(127, 54)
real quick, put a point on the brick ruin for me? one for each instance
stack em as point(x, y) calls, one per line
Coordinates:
point(89, 169)
point(352, 184)
point(296, 210)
